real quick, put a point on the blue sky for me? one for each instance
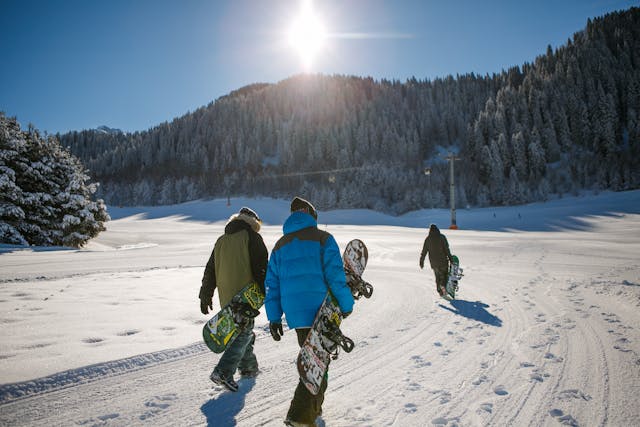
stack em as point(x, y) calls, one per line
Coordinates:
point(79, 64)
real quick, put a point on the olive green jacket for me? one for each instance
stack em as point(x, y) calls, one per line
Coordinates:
point(238, 258)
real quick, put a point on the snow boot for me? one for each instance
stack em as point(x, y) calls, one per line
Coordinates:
point(222, 380)
point(250, 374)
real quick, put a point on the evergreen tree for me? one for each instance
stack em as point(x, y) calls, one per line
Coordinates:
point(46, 197)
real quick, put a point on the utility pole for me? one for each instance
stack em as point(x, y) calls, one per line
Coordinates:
point(451, 158)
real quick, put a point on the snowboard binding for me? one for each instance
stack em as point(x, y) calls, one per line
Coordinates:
point(335, 339)
point(243, 313)
point(359, 288)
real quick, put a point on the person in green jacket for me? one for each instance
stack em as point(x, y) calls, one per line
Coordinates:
point(437, 246)
point(239, 257)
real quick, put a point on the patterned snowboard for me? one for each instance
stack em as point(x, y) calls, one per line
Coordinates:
point(455, 274)
point(225, 326)
point(325, 336)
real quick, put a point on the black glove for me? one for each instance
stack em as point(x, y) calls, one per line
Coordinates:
point(205, 305)
point(347, 314)
point(276, 330)
point(421, 263)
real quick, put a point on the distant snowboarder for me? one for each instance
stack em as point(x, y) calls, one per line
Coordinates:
point(437, 246)
point(238, 258)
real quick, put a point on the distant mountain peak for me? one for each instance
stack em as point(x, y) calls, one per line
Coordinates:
point(108, 130)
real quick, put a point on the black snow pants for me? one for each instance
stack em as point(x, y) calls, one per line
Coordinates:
point(305, 407)
point(442, 275)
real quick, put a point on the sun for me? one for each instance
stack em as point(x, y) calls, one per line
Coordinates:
point(307, 35)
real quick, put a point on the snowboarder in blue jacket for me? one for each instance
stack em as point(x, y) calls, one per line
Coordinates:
point(304, 264)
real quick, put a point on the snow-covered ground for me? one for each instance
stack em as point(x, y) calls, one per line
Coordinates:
point(546, 330)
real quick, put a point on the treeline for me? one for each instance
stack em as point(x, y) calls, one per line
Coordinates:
point(566, 122)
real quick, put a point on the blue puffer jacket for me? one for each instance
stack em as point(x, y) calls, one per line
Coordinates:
point(304, 263)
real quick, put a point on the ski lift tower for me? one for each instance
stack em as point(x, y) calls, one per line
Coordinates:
point(452, 158)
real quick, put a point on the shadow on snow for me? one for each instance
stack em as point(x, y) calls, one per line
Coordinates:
point(473, 310)
point(221, 411)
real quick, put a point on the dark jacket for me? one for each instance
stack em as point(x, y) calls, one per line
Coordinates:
point(437, 246)
point(238, 257)
point(304, 264)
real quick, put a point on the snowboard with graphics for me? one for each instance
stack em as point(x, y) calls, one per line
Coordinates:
point(455, 274)
point(227, 324)
point(325, 337)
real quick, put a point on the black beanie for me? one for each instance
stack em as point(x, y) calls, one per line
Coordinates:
point(298, 203)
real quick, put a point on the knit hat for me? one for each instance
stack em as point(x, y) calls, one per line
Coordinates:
point(300, 204)
point(250, 212)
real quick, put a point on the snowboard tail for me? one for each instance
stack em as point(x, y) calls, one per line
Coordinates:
point(223, 328)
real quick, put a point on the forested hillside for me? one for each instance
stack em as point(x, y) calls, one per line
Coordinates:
point(565, 122)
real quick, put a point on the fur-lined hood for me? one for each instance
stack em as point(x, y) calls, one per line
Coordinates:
point(253, 223)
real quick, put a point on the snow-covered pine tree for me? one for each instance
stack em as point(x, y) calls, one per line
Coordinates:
point(11, 197)
point(46, 196)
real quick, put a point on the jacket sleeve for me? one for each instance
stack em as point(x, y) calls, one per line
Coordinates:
point(334, 275)
point(272, 302)
point(425, 250)
point(208, 279)
point(259, 257)
point(446, 249)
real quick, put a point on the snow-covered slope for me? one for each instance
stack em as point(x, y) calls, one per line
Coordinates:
point(546, 330)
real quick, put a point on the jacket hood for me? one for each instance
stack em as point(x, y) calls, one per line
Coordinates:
point(298, 221)
point(236, 222)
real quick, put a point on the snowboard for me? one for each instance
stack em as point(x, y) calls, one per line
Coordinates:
point(226, 325)
point(455, 274)
point(325, 338)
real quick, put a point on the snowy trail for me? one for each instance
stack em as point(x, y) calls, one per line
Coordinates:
point(546, 331)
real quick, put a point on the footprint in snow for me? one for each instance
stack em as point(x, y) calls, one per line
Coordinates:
point(442, 421)
point(500, 390)
point(37, 345)
point(420, 362)
point(619, 346)
point(128, 333)
point(487, 407)
point(480, 380)
point(101, 420)
point(445, 397)
point(553, 357)
point(573, 394)
point(157, 404)
point(414, 387)
point(536, 377)
point(410, 408)
point(92, 340)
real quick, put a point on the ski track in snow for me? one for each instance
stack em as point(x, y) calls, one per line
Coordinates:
point(545, 331)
